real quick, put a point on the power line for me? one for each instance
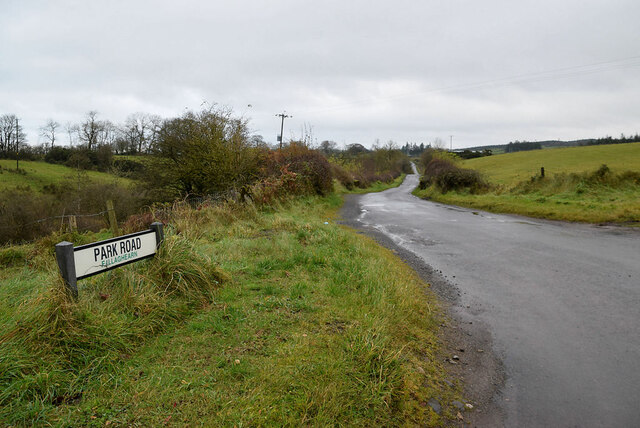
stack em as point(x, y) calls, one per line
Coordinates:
point(558, 73)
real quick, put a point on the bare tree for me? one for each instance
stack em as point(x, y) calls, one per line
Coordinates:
point(307, 138)
point(108, 133)
point(89, 130)
point(71, 131)
point(11, 134)
point(140, 130)
point(438, 144)
point(7, 130)
point(49, 132)
point(156, 126)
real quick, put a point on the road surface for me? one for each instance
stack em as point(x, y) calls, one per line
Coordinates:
point(562, 302)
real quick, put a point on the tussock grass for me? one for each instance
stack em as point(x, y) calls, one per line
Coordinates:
point(51, 348)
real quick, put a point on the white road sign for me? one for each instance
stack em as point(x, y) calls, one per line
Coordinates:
point(96, 257)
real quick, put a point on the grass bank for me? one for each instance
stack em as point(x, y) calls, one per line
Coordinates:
point(37, 175)
point(576, 186)
point(248, 317)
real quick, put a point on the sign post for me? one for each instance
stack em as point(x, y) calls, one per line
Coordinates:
point(67, 266)
point(87, 260)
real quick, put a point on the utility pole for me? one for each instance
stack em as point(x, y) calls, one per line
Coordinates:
point(450, 143)
point(17, 144)
point(282, 115)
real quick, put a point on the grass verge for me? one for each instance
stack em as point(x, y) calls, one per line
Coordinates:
point(298, 321)
point(602, 195)
point(600, 207)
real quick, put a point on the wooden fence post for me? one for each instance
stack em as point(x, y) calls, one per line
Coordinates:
point(73, 224)
point(113, 222)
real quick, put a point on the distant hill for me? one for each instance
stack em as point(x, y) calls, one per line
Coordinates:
point(551, 144)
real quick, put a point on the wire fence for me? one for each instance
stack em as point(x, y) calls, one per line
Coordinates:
point(32, 231)
point(57, 217)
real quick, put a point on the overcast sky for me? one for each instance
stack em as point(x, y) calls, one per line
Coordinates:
point(486, 72)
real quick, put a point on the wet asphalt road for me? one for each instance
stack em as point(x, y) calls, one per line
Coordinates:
point(562, 302)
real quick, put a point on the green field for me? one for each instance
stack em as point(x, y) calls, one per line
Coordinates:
point(575, 187)
point(511, 168)
point(39, 174)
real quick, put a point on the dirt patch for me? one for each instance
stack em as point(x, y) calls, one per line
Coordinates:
point(475, 366)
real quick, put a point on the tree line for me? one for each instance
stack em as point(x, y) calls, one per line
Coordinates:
point(610, 140)
point(12, 135)
point(522, 146)
point(136, 135)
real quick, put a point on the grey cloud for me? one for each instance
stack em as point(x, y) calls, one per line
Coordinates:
point(355, 70)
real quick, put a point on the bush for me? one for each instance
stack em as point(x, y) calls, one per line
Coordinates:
point(460, 178)
point(426, 157)
point(59, 155)
point(342, 176)
point(601, 173)
point(80, 159)
point(447, 176)
point(309, 169)
point(104, 157)
point(367, 167)
point(128, 168)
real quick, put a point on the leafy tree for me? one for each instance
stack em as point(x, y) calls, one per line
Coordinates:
point(202, 153)
point(328, 147)
point(257, 140)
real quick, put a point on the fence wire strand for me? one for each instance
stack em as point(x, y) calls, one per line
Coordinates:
point(192, 201)
point(57, 217)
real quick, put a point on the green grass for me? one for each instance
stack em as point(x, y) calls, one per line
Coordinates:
point(307, 323)
point(39, 174)
point(571, 189)
point(511, 168)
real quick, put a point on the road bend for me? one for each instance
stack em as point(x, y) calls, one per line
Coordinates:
point(562, 302)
